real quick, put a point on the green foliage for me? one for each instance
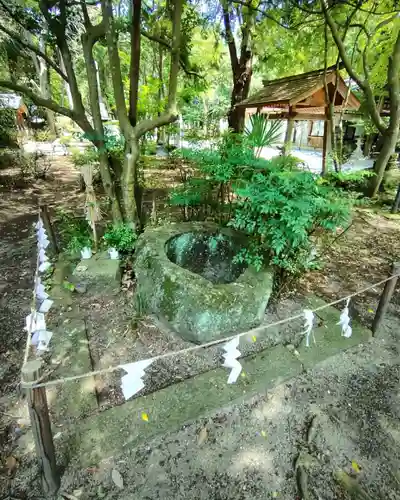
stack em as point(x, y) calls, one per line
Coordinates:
point(89, 156)
point(262, 132)
point(148, 148)
point(8, 128)
point(120, 236)
point(352, 181)
point(75, 233)
point(280, 210)
point(279, 206)
point(44, 135)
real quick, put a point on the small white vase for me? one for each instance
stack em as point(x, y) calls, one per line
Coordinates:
point(86, 253)
point(113, 253)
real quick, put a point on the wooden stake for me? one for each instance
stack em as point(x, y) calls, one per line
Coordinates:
point(41, 428)
point(385, 298)
point(396, 203)
point(44, 214)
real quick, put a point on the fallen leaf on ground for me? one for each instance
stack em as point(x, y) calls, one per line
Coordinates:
point(117, 478)
point(145, 417)
point(203, 434)
point(355, 467)
point(254, 338)
point(11, 464)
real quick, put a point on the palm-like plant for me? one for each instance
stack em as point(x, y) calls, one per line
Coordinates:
point(262, 132)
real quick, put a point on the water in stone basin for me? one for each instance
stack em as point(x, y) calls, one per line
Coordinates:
point(209, 254)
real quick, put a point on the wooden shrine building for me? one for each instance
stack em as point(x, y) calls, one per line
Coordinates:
point(304, 97)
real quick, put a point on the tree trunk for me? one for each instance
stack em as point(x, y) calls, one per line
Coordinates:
point(368, 145)
point(106, 179)
point(388, 147)
point(241, 87)
point(129, 181)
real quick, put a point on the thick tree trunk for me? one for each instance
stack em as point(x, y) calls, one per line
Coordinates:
point(129, 181)
point(388, 147)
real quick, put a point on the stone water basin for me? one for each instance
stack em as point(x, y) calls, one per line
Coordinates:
point(186, 275)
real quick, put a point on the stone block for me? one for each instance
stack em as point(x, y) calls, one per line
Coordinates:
point(70, 353)
point(99, 271)
point(187, 277)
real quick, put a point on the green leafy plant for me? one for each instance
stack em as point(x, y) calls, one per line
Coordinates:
point(280, 210)
point(75, 233)
point(262, 132)
point(353, 180)
point(120, 236)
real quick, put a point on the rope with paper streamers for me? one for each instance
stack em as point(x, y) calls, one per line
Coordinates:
point(35, 323)
point(133, 383)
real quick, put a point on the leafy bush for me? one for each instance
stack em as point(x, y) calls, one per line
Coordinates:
point(353, 180)
point(44, 135)
point(279, 206)
point(89, 156)
point(280, 210)
point(75, 232)
point(149, 148)
point(8, 128)
point(120, 236)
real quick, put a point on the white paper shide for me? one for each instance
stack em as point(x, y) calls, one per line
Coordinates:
point(231, 355)
point(309, 323)
point(132, 382)
point(344, 321)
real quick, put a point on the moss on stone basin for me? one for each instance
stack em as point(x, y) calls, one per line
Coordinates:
point(186, 276)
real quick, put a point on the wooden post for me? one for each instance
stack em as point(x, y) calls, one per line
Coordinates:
point(287, 145)
point(396, 203)
point(41, 428)
point(44, 214)
point(327, 142)
point(385, 298)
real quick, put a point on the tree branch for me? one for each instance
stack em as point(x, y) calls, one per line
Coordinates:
point(167, 45)
point(171, 113)
point(230, 39)
point(37, 99)
point(363, 84)
point(135, 61)
point(34, 49)
point(113, 55)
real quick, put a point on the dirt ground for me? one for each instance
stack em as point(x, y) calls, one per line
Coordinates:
point(246, 451)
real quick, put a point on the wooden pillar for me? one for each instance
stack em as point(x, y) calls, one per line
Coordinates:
point(44, 214)
point(287, 146)
point(327, 143)
point(41, 428)
point(385, 298)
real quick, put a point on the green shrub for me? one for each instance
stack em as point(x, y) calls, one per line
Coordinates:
point(75, 232)
point(281, 208)
point(44, 135)
point(89, 156)
point(351, 180)
point(8, 128)
point(149, 148)
point(120, 236)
